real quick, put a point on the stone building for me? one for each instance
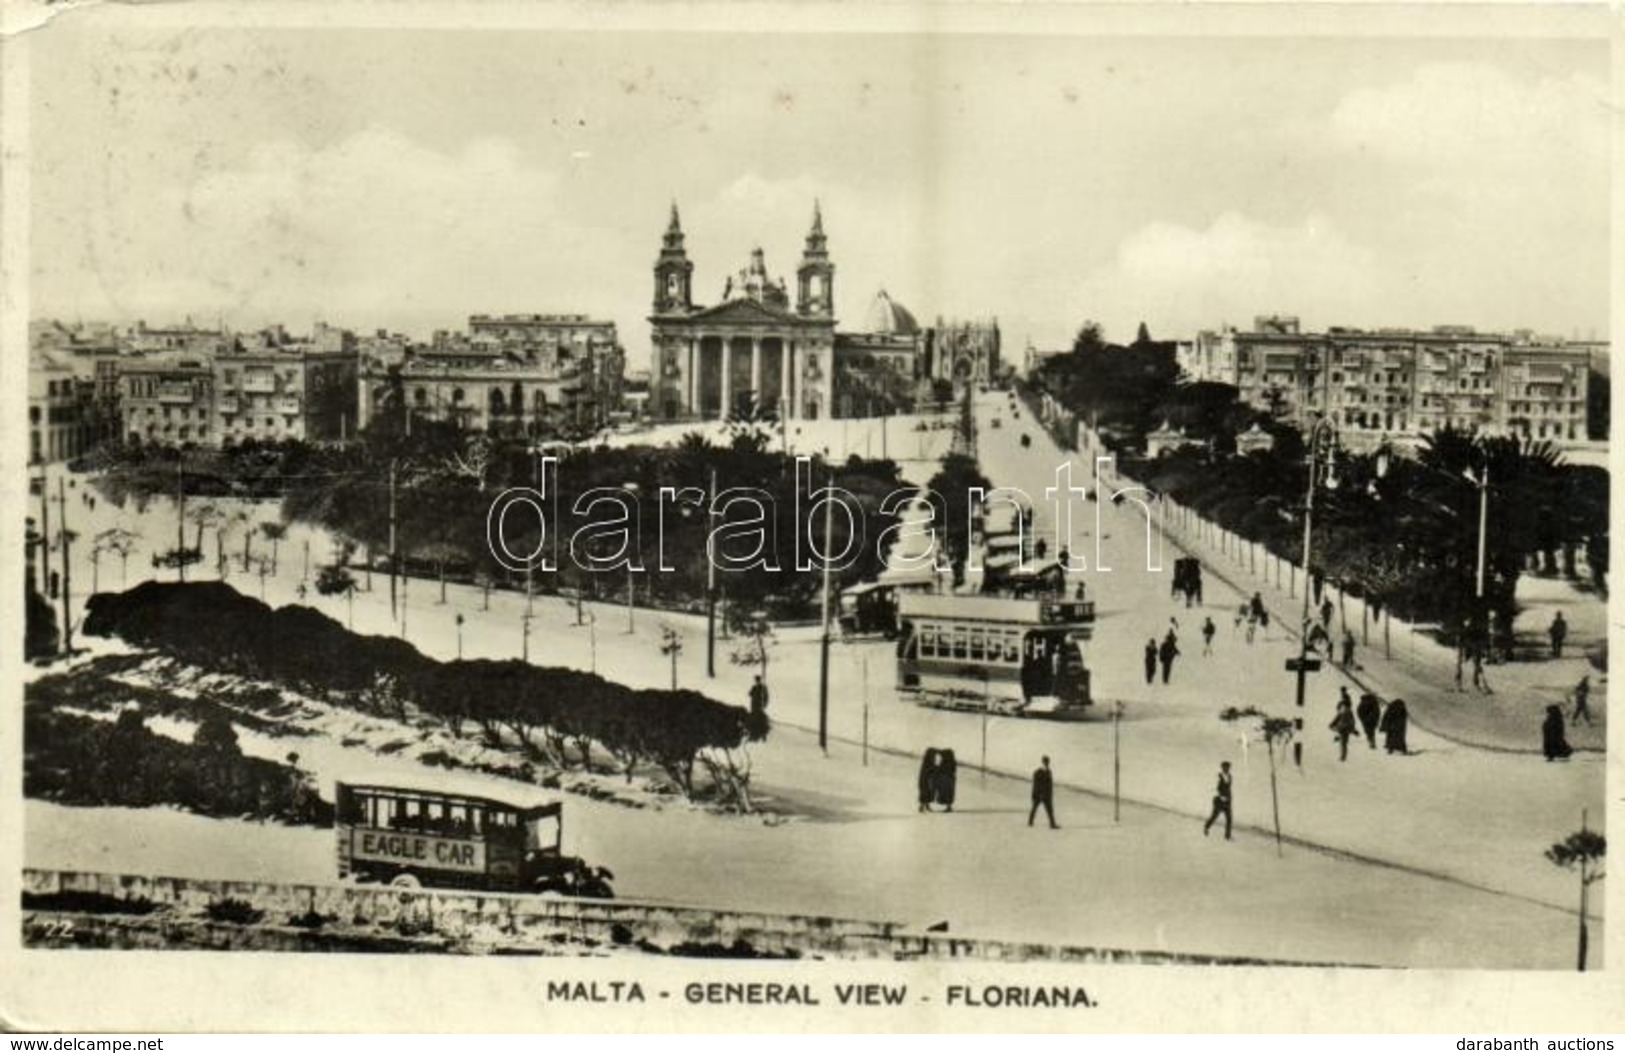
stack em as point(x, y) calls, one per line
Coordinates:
point(275, 388)
point(520, 374)
point(1401, 381)
point(755, 350)
point(167, 399)
point(61, 421)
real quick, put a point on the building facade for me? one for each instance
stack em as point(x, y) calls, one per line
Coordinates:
point(167, 399)
point(295, 391)
point(1400, 381)
point(61, 420)
point(517, 374)
point(755, 351)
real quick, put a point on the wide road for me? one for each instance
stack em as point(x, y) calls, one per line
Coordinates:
point(1433, 859)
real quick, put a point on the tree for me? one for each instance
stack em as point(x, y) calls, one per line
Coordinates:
point(41, 637)
point(1582, 850)
point(755, 632)
point(671, 643)
point(473, 460)
point(274, 533)
point(950, 492)
point(1275, 731)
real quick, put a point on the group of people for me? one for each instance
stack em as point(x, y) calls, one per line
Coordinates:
point(1254, 616)
point(1162, 654)
point(1554, 741)
point(939, 779)
point(1370, 717)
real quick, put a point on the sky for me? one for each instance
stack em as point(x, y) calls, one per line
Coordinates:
point(408, 178)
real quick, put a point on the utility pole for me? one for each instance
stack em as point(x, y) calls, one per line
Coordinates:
point(67, 612)
point(710, 587)
point(1117, 765)
point(394, 557)
point(1303, 626)
point(180, 520)
point(1483, 522)
point(44, 533)
point(823, 649)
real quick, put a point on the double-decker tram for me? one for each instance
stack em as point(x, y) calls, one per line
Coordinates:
point(1010, 656)
point(412, 838)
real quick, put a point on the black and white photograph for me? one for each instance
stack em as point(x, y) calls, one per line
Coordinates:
point(976, 512)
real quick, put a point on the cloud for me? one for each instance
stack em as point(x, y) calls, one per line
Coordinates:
point(1180, 279)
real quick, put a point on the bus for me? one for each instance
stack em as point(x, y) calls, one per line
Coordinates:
point(999, 654)
point(412, 838)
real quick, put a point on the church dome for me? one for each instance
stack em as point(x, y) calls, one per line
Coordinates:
point(887, 317)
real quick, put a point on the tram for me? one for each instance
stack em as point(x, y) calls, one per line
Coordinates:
point(1005, 655)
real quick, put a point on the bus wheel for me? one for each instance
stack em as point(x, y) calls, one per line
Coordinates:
point(405, 881)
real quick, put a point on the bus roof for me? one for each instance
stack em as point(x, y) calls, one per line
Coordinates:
point(552, 808)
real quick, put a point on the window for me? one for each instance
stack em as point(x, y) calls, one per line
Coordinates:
point(961, 642)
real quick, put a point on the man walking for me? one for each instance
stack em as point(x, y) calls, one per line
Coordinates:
point(1207, 636)
point(1043, 795)
point(1348, 649)
point(1558, 632)
point(1582, 700)
point(1167, 654)
point(758, 696)
point(1151, 660)
point(1221, 802)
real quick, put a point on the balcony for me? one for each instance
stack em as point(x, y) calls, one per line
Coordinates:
point(229, 406)
point(181, 394)
point(259, 383)
point(288, 405)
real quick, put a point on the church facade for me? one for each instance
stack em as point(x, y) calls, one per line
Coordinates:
point(762, 351)
point(756, 352)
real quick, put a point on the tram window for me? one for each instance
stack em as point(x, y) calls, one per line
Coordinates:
point(977, 649)
point(960, 643)
point(1012, 647)
point(928, 643)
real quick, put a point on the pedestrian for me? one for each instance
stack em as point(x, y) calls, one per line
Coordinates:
point(1348, 649)
point(1257, 606)
point(1558, 632)
point(1064, 558)
point(301, 592)
point(1167, 653)
point(1242, 614)
point(1326, 614)
point(1207, 636)
point(1043, 795)
point(1041, 548)
point(1552, 740)
point(1479, 680)
point(1252, 626)
point(947, 779)
point(928, 776)
point(758, 695)
point(1151, 660)
point(1582, 700)
point(1369, 711)
point(1394, 721)
point(1221, 802)
point(1342, 726)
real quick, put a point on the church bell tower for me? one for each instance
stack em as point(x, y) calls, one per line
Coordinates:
point(674, 271)
point(815, 277)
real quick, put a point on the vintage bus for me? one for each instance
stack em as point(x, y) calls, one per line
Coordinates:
point(412, 838)
point(1009, 656)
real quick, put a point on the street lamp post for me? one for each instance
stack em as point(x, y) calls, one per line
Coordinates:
point(1324, 431)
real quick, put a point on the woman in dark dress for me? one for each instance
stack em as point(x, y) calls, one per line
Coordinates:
point(947, 779)
point(1552, 740)
point(928, 776)
point(1394, 721)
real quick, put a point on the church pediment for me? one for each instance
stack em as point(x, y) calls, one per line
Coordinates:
point(749, 312)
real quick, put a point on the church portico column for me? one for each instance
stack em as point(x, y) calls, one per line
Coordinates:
point(691, 376)
point(756, 368)
point(727, 380)
point(784, 377)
